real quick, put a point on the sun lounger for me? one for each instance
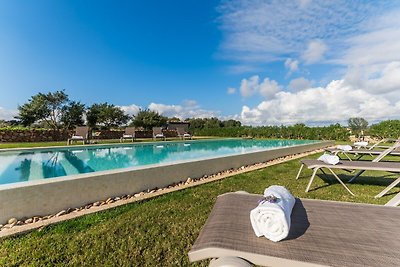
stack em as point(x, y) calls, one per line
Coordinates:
point(128, 134)
point(182, 133)
point(392, 150)
point(157, 133)
point(81, 134)
point(317, 165)
point(322, 233)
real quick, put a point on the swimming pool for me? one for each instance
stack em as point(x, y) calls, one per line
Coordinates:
point(37, 164)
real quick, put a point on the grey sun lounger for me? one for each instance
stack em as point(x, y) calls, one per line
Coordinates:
point(81, 134)
point(322, 233)
point(128, 134)
point(317, 165)
point(157, 133)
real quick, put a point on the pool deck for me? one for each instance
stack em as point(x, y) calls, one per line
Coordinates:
point(44, 197)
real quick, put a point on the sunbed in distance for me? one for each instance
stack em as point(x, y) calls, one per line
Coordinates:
point(322, 233)
point(157, 133)
point(129, 134)
point(393, 150)
point(182, 133)
point(81, 134)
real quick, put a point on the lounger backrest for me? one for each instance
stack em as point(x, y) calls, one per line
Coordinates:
point(130, 131)
point(180, 130)
point(82, 131)
point(157, 130)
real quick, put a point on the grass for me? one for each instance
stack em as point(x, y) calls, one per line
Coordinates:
point(161, 230)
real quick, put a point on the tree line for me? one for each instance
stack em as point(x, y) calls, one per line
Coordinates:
point(55, 110)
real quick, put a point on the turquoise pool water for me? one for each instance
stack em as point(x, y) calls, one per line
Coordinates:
point(29, 165)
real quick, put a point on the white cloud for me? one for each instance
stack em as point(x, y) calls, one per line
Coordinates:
point(231, 90)
point(7, 114)
point(260, 31)
point(188, 109)
point(131, 109)
point(292, 65)
point(334, 103)
point(299, 84)
point(251, 86)
point(314, 52)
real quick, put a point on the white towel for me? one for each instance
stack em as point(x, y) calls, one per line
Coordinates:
point(330, 159)
point(272, 218)
point(361, 144)
point(344, 147)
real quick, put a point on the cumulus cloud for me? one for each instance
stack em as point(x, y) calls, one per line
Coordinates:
point(188, 109)
point(314, 52)
point(299, 84)
point(334, 103)
point(231, 90)
point(131, 109)
point(7, 114)
point(265, 88)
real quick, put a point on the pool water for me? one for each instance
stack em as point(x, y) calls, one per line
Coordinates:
point(28, 165)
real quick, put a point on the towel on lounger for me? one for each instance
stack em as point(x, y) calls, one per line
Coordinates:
point(271, 218)
point(344, 147)
point(329, 159)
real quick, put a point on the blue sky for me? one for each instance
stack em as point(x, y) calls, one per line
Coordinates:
point(261, 62)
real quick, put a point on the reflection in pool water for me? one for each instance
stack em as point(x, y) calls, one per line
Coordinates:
point(17, 166)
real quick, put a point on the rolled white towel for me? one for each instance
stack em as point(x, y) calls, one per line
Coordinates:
point(330, 159)
point(271, 218)
point(361, 144)
point(344, 147)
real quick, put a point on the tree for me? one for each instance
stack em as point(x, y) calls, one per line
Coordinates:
point(357, 125)
point(106, 114)
point(44, 107)
point(148, 119)
point(72, 115)
point(231, 123)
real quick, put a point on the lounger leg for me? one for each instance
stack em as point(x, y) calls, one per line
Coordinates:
point(387, 189)
point(347, 156)
point(298, 174)
point(355, 176)
point(340, 181)
point(311, 179)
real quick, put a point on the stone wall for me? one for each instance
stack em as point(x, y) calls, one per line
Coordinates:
point(32, 135)
point(41, 135)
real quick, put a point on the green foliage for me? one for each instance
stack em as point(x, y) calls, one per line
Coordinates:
point(386, 129)
point(357, 125)
point(72, 115)
point(148, 119)
point(107, 115)
point(297, 131)
point(44, 107)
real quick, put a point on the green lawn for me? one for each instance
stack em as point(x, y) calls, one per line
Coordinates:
point(161, 230)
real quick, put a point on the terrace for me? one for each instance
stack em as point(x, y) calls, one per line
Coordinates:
point(160, 228)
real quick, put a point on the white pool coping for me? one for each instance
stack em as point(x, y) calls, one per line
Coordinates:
point(49, 196)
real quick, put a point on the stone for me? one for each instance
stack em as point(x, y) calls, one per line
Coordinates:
point(189, 180)
point(139, 194)
point(30, 220)
point(152, 191)
point(117, 198)
point(12, 220)
point(1, 226)
point(97, 203)
point(61, 213)
point(19, 223)
point(103, 203)
point(109, 200)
